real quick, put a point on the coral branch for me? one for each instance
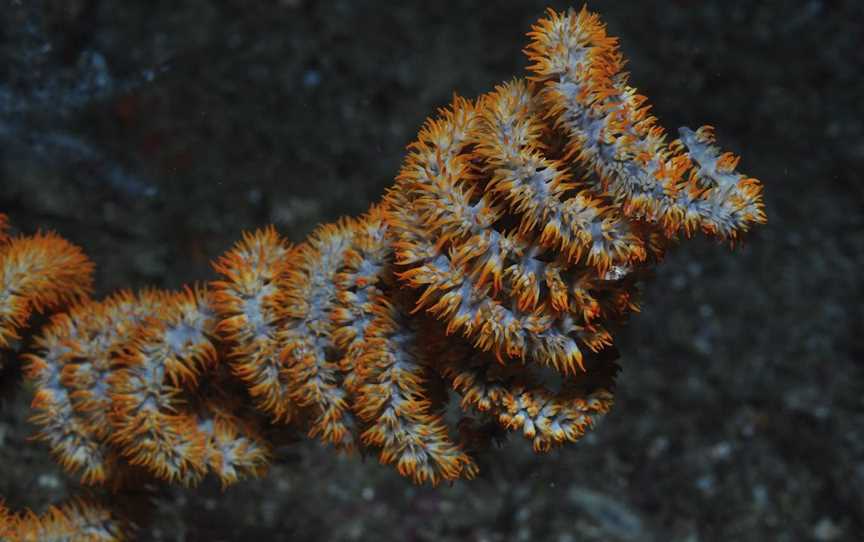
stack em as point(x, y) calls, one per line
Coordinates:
point(495, 268)
point(37, 273)
point(610, 131)
point(80, 520)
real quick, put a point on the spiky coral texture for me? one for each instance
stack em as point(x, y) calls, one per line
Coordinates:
point(79, 520)
point(38, 273)
point(495, 269)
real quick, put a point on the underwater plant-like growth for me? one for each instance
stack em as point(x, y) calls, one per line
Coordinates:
point(494, 269)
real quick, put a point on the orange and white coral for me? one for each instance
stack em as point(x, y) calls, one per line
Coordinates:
point(80, 520)
point(495, 269)
point(683, 186)
point(37, 273)
point(119, 379)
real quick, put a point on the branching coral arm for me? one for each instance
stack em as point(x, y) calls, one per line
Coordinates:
point(37, 273)
point(685, 186)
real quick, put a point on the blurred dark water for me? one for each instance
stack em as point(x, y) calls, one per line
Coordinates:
point(152, 134)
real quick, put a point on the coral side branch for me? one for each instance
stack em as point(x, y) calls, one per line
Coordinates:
point(483, 290)
point(80, 519)
point(683, 186)
point(37, 273)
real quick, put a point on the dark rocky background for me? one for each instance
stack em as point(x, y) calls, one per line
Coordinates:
point(152, 135)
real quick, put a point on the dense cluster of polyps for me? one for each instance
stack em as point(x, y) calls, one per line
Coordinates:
point(494, 268)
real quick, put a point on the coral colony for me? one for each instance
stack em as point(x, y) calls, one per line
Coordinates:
point(511, 241)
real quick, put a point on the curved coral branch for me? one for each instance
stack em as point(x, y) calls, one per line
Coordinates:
point(495, 268)
point(249, 299)
point(686, 185)
point(393, 400)
point(37, 273)
point(119, 378)
point(79, 519)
